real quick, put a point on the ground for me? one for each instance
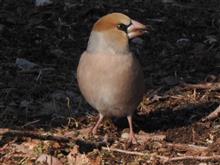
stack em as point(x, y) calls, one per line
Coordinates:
point(43, 113)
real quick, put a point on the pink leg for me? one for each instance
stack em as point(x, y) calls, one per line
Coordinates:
point(132, 138)
point(94, 129)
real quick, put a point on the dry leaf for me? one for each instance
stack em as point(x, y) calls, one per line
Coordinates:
point(23, 149)
point(48, 159)
point(31, 144)
point(84, 132)
point(76, 158)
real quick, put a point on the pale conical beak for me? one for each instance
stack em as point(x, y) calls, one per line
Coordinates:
point(136, 29)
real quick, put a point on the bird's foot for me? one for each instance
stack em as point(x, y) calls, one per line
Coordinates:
point(132, 139)
point(93, 131)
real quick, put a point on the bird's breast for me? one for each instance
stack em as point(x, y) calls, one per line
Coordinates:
point(112, 84)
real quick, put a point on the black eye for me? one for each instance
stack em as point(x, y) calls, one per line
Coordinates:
point(122, 27)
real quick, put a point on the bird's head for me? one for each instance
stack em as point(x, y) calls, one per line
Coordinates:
point(112, 33)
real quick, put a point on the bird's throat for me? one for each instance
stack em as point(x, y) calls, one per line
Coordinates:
point(100, 43)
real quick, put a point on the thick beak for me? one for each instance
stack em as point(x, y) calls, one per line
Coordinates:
point(136, 29)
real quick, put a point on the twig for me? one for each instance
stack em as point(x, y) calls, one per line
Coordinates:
point(194, 7)
point(211, 86)
point(8, 132)
point(159, 20)
point(39, 75)
point(187, 147)
point(201, 158)
point(124, 151)
point(150, 155)
point(31, 123)
point(213, 115)
point(165, 159)
point(184, 147)
point(37, 70)
point(145, 137)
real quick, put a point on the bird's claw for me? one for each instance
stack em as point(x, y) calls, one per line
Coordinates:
point(132, 139)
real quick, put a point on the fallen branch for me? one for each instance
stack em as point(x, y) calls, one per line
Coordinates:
point(8, 132)
point(213, 115)
point(78, 141)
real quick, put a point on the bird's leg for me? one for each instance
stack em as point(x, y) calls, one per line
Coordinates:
point(132, 138)
point(94, 129)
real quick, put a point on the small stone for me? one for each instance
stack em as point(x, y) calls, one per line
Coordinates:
point(125, 135)
point(203, 163)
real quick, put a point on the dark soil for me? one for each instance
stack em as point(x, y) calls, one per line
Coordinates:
point(182, 49)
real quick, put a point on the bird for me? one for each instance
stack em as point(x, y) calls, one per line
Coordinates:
point(109, 75)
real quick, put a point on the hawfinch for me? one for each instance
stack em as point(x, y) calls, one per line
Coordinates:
point(109, 76)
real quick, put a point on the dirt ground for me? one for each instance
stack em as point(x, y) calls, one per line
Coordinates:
point(43, 117)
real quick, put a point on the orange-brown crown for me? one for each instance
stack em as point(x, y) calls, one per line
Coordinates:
point(112, 32)
point(111, 21)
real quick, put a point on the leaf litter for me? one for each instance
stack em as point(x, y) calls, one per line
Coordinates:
point(40, 47)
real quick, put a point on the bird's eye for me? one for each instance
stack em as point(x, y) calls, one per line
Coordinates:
point(122, 27)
